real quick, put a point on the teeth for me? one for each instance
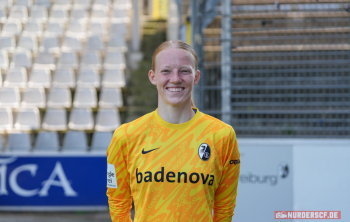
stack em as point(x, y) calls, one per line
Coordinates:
point(175, 89)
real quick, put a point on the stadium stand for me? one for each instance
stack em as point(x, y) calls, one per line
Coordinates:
point(62, 69)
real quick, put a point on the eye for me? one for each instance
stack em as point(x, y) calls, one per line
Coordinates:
point(185, 71)
point(165, 70)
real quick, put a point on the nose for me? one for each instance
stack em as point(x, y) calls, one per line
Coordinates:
point(175, 77)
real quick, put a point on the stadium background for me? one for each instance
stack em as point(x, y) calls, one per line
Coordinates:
point(73, 71)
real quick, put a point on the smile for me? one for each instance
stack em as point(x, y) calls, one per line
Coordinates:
point(175, 89)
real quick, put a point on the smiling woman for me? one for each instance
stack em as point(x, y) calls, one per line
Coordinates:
point(174, 72)
point(175, 162)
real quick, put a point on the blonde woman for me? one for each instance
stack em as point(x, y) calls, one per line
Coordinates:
point(176, 163)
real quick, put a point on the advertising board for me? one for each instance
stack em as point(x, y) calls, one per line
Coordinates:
point(53, 182)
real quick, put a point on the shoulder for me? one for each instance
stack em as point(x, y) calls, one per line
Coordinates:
point(123, 134)
point(134, 125)
point(218, 127)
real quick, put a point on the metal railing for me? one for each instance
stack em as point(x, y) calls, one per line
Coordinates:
point(283, 70)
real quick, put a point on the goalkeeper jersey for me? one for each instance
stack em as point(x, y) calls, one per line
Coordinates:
point(173, 172)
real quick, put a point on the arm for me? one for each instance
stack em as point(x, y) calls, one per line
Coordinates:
point(118, 182)
point(225, 195)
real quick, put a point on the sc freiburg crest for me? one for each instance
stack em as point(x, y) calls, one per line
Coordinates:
point(204, 151)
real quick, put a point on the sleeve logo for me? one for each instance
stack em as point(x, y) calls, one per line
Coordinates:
point(204, 151)
point(235, 162)
point(111, 177)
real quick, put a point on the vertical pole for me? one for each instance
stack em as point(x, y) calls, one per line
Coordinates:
point(135, 38)
point(173, 21)
point(197, 9)
point(226, 58)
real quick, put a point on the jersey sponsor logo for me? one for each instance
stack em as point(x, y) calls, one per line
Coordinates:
point(235, 162)
point(172, 177)
point(204, 151)
point(111, 177)
point(145, 152)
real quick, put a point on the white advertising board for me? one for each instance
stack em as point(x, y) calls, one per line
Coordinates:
point(265, 182)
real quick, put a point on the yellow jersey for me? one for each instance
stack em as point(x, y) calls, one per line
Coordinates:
point(173, 172)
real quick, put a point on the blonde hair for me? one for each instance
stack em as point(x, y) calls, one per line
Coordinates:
point(178, 45)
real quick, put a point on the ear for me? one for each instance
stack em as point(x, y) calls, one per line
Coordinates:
point(152, 77)
point(197, 76)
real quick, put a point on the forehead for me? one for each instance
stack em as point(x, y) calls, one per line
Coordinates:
point(174, 56)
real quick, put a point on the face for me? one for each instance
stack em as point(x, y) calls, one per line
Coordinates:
point(174, 76)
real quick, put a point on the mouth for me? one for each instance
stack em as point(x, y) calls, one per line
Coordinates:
point(175, 89)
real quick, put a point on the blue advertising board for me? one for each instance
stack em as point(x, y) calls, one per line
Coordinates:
point(44, 182)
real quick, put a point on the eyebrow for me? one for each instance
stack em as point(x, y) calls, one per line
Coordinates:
point(162, 67)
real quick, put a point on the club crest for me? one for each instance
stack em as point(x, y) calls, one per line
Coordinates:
point(204, 151)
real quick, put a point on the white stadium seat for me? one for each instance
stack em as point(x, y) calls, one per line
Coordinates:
point(40, 78)
point(50, 43)
point(113, 78)
point(47, 142)
point(33, 27)
point(3, 16)
point(6, 119)
point(19, 141)
point(64, 77)
point(27, 119)
point(6, 3)
point(76, 28)
point(82, 4)
point(58, 13)
point(107, 119)
point(4, 61)
point(74, 141)
point(97, 27)
point(7, 43)
point(71, 44)
point(114, 60)
point(85, 97)
point(68, 60)
point(91, 59)
point(59, 98)
point(79, 13)
point(16, 77)
point(12, 28)
point(45, 60)
point(46, 3)
point(116, 43)
point(10, 97)
point(28, 42)
point(81, 119)
point(26, 3)
point(34, 97)
point(94, 43)
point(18, 13)
point(54, 28)
point(21, 58)
point(117, 28)
point(111, 97)
point(55, 119)
point(100, 141)
point(39, 13)
point(88, 77)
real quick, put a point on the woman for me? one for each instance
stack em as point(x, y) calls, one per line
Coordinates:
point(177, 163)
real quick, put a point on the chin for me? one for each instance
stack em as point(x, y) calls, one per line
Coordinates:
point(175, 102)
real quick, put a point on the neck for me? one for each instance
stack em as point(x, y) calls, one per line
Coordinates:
point(176, 114)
